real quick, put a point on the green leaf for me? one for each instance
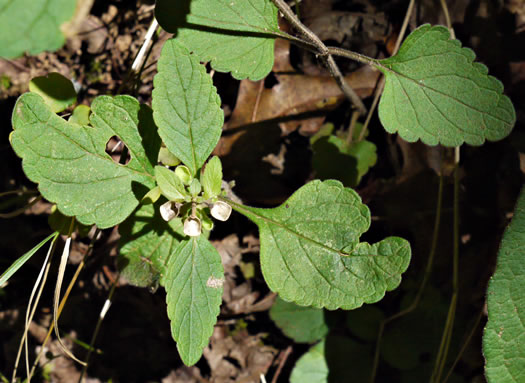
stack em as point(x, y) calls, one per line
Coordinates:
point(80, 115)
point(503, 340)
point(194, 294)
point(335, 359)
point(435, 92)
point(186, 106)
point(234, 36)
point(69, 161)
point(310, 250)
point(146, 243)
point(311, 367)
point(33, 26)
point(364, 322)
point(56, 90)
point(184, 174)
point(167, 158)
point(170, 185)
point(211, 178)
point(334, 158)
point(23, 259)
point(195, 187)
point(302, 324)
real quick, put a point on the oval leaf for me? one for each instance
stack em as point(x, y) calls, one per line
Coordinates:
point(69, 161)
point(194, 295)
point(310, 250)
point(211, 178)
point(33, 26)
point(170, 184)
point(503, 341)
point(235, 36)
point(302, 324)
point(186, 106)
point(56, 90)
point(435, 92)
point(312, 366)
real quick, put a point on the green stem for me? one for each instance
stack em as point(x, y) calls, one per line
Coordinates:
point(449, 325)
point(424, 281)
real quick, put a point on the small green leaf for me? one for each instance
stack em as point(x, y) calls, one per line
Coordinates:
point(211, 178)
point(146, 243)
point(23, 259)
point(62, 224)
point(334, 158)
point(235, 36)
point(312, 366)
point(435, 92)
point(69, 161)
point(33, 26)
point(56, 90)
point(152, 196)
point(195, 187)
point(302, 324)
point(364, 322)
point(310, 250)
point(80, 115)
point(170, 185)
point(194, 295)
point(167, 158)
point(186, 106)
point(184, 174)
point(503, 340)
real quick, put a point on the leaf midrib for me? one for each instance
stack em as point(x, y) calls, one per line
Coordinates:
point(62, 121)
point(423, 85)
point(247, 211)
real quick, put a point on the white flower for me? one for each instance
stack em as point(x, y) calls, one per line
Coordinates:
point(168, 211)
point(221, 211)
point(192, 227)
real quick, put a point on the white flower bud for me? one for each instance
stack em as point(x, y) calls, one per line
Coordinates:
point(221, 211)
point(192, 227)
point(168, 211)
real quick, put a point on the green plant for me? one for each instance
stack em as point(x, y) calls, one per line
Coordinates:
point(311, 252)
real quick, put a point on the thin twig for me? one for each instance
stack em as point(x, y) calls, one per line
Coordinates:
point(323, 52)
point(284, 357)
point(257, 101)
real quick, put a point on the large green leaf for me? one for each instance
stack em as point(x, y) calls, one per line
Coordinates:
point(310, 250)
point(504, 338)
point(194, 294)
point(312, 366)
point(435, 92)
point(32, 26)
point(186, 106)
point(69, 161)
point(146, 243)
point(235, 36)
point(302, 324)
